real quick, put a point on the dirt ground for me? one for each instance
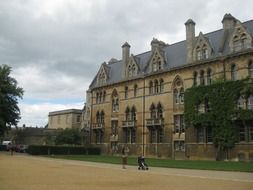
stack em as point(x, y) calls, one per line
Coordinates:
point(22, 172)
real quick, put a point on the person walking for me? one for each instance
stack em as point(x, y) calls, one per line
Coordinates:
point(125, 151)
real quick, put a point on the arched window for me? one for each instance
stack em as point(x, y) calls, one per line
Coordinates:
point(150, 87)
point(115, 101)
point(159, 111)
point(97, 117)
point(178, 91)
point(129, 71)
point(240, 102)
point(209, 76)
point(161, 85)
point(104, 96)
point(97, 97)
point(239, 41)
point(181, 96)
point(156, 87)
point(176, 96)
point(202, 78)
point(233, 72)
point(126, 92)
point(202, 52)
point(102, 116)
point(195, 77)
point(128, 114)
point(135, 90)
point(133, 114)
point(251, 69)
point(152, 111)
point(100, 97)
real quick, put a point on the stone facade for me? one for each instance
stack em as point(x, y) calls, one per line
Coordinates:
point(138, 101)
point(63, 119)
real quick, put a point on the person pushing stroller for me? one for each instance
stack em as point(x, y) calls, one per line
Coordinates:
point(142, 164)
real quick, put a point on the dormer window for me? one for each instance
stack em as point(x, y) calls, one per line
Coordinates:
point(132, 69)
point(157, 62)
point(202, 52)
point(240, 38)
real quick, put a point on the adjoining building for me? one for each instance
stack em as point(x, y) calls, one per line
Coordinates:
point(70, 118)
point(139, 100)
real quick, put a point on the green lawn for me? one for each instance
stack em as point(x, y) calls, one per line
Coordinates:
point(166, 163)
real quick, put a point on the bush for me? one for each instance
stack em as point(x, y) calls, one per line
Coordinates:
point(64, 150)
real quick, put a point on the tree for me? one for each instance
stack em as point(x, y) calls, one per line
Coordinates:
point(69, 136)
point(9, 95)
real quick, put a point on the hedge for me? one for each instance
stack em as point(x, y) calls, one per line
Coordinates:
point(64, 150)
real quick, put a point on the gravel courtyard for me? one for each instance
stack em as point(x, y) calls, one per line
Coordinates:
point(23, 172)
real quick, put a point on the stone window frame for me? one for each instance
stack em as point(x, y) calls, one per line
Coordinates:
point(233, 72)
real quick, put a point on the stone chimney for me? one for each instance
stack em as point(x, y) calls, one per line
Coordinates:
point(125, 52)
point(125, 57)
point(155, 44)
point(228, 21)
point(190, 39)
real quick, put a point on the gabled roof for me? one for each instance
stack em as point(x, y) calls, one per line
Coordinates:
point(175, 54)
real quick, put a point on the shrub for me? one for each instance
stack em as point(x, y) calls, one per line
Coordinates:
point(64, 150)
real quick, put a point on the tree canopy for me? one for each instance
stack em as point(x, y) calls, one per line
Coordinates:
point(9, 95)
point(69, 136)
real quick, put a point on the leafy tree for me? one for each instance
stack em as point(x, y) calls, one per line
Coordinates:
point(9, 94)
point(69, 136)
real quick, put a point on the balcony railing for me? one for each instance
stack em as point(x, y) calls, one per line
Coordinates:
point(131, 123)
point(114, 138)
point(98, 126)
point(154, 122)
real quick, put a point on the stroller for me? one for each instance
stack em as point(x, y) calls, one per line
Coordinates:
point(141, 163)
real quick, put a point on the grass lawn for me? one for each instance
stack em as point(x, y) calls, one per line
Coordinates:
point(166, 163)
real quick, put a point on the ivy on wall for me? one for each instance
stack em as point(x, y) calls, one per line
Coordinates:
point(216, 106)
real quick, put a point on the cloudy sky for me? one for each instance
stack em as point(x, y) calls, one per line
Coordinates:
point(55, 47)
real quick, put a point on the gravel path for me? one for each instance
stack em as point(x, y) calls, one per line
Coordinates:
point(22, 172)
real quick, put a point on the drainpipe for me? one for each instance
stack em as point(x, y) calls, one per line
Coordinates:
point(143, 119)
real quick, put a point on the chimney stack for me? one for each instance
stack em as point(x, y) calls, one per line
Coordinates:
point(125, 57)
point(190, 39)
point(228, 21)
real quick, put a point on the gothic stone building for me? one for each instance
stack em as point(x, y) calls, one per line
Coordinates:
point(138, 101)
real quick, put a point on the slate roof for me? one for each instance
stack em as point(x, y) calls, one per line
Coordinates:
point(175, 54)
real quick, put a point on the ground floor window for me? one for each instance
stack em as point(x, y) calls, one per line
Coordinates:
point(179, 146)
point(205, 134)
point(156, 135)
point(99, 137)
point(129, 135)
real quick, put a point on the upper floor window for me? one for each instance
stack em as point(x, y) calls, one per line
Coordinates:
point(240, 103)
point(161, 85)
point(159, 111)
point(132, 69)
point(102, 78)
point(133, 114)
point(157, 63)
point(100, 117)
point(251, 69)
point(115, 101)
point(150, 87)
point(179, 125)
point(178, 92)
point(202, 52)
point(152, 112)
point(240, 40)
point(202, 78)
point(250, 102)
point(128, 114)
point(195, 77)
point(156, 87)
point(233, 72)
point(126, 92)
point(135, 90)
point(209, 77)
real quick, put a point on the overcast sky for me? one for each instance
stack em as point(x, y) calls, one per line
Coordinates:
point(55, 47)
